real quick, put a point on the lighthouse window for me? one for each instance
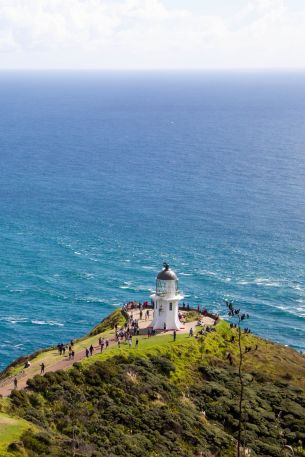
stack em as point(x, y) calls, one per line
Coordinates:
point(161, 287)
point(170, 306)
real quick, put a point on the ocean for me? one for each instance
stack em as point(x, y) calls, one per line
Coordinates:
point(106, 175)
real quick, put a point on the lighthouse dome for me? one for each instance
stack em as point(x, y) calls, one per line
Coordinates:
point(167, 274)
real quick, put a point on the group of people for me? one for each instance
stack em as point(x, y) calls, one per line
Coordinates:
point(136, 305)
point(103, 343)
point(128, 340)
point(62, 348)
point(145, 313)
point(131, 328)
point(146, 306)
point(206, 329)
point(143, 308)
point(150, 332)
point(126, 333)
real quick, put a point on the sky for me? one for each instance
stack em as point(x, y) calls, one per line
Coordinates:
point(152, 34)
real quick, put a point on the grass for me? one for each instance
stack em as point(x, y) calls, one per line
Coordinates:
point(158, 345)
point(182, 351)
point(51, 356)
point(11, 429)
point(276, 362)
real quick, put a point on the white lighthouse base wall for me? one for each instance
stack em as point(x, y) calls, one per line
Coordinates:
point(166, 314)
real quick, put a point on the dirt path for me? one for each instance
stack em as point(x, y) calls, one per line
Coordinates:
point(7, 385)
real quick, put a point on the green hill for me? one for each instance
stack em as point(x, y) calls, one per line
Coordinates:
point(164, 398)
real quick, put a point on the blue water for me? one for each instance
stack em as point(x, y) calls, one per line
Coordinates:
point(105, 175)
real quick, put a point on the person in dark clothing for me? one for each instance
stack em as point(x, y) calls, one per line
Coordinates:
point(91, 349)
point(42, 367)
point(175, 335)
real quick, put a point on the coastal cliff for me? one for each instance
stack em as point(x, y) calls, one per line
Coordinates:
point(163, 398)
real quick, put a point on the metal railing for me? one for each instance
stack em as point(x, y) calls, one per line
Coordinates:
point(163, 293)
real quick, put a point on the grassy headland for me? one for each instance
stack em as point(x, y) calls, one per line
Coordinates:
point(164, 398)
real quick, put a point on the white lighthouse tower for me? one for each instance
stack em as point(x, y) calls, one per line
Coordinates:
point(166, 301)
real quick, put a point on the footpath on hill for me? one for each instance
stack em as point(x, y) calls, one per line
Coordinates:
point(64, 363)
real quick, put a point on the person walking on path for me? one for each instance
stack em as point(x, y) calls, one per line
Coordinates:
point(191, 332)
point(15, 383)
point(42, 367)
point(91, 349)
point(175, 335)
point(87, 352)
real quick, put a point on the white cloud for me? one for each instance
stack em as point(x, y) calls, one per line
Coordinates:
point(146, 34)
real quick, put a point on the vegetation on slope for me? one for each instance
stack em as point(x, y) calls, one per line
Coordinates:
point(115, 318)
point(167, 398)
point(11, 429)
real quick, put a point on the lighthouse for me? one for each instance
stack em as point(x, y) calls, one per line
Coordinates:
point(166, 301)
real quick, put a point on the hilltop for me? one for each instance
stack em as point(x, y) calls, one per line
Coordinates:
point(164, 398)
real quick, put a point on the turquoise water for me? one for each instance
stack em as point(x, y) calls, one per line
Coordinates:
point(105, 175)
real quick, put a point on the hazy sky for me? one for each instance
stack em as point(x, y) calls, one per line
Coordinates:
point(144, 34)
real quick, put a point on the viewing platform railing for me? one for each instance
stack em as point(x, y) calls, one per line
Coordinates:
point(187, 308)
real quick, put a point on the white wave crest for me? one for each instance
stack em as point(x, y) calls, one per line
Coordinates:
point(51, 323)
point(267, 282)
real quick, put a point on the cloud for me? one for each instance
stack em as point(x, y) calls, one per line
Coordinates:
point(147, 34)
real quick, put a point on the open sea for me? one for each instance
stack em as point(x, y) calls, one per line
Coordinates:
point(103, 176)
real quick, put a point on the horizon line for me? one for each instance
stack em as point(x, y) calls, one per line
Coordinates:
point(161, 69)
